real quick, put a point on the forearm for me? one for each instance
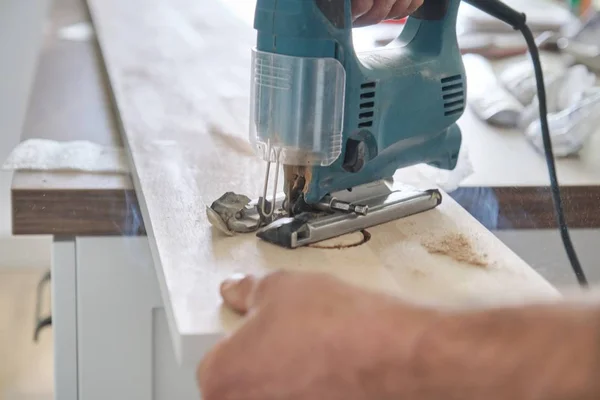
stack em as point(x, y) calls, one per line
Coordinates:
point(538, 352)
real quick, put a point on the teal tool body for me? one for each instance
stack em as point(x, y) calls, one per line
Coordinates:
point(338, 120)
point(350, 118)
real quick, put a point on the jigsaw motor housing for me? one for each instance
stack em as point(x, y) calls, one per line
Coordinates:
point(353, 118)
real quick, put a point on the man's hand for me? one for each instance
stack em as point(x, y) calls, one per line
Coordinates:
point(312, 337)
point(369, 12)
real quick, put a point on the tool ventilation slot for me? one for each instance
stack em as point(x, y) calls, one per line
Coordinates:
point(367, 105)
point(453, 94)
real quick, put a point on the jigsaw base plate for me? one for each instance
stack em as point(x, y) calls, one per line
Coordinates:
point(386, 202)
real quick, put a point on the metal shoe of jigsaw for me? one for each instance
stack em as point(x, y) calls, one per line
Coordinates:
point(341, 123)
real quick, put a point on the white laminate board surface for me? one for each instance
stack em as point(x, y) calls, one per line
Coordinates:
point(180, 73)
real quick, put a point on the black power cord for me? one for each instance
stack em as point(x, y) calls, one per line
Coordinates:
point(554, 186)
point(518, 21)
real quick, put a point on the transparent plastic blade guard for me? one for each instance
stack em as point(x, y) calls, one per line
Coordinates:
point(297, 109)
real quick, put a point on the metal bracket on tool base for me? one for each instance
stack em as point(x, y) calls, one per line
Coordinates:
point(385, 203)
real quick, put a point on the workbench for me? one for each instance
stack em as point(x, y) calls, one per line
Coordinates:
point(135, 287)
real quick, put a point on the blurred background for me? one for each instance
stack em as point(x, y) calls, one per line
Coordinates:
point(45, 47)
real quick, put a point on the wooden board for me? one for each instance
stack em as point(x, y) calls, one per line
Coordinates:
point(71, 101)
point(179, 70)
point(530, 207)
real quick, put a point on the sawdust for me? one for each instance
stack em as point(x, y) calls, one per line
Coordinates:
point(231, 141)
point(457, 247)
point(307, 173)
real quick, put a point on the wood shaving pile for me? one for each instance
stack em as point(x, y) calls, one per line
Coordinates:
point(457, 247)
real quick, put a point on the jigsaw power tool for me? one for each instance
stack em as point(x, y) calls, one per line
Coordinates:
point(337, 120)
point(340, 124)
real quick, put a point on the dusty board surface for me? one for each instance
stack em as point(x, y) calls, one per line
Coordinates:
point(180, 74)
point(71, 101)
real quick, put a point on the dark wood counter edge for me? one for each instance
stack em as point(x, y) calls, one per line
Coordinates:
point(115, 212)
point(78, 212)
point(521, 208)
point(81, 205)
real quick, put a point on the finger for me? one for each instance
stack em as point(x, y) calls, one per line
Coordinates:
point(377, 13)
point(361, 7)
point(400, 9)
point(242, 293)
point(237, 293)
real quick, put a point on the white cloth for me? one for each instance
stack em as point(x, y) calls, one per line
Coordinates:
point(82, 156)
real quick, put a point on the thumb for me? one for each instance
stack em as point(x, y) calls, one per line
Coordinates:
point(237, 292)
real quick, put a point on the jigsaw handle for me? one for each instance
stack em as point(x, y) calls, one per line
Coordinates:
point(426, 29)
point(323, 28)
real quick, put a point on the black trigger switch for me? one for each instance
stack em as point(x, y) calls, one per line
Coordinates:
point(356, 154)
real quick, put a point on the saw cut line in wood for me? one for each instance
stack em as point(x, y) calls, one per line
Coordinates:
point(354, 239)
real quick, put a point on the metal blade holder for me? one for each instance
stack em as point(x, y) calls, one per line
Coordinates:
point(296, 112)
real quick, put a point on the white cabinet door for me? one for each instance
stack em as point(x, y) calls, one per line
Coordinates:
point(64, 320)
point(124, 346)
